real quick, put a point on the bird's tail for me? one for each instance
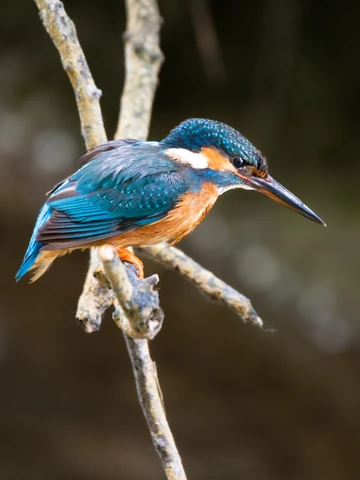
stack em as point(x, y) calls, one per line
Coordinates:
point(34, 247)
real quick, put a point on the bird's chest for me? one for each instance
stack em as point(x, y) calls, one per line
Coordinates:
point(190, 211)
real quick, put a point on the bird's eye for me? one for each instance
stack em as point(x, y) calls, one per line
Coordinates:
point(238, 162)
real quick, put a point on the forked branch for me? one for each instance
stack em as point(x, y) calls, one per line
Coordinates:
point(137, 310)
point(135, 317)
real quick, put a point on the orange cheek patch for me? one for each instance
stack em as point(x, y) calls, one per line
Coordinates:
point(216, 160)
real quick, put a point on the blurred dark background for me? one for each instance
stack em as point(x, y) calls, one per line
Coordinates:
point(242, 403)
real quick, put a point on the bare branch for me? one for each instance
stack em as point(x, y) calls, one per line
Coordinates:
point(151, 403)
point(63, 33)
point(143, 59)
point(212, 287)
point(95, 298)
point(137, 310)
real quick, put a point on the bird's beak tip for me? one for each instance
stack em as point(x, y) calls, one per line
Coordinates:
point(277, 192)
point(318, 220)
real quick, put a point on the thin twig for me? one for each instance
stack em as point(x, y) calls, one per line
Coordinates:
point(135, 323)
point(212, 287)
point(151, 403)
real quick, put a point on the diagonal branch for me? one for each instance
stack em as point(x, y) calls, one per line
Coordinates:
point(94, 300)
point(212, 287)
point(62, 31)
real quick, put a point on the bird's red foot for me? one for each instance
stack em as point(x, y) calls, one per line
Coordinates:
point(126, 256)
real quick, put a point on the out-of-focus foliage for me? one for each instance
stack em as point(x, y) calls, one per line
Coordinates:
point(242, 403)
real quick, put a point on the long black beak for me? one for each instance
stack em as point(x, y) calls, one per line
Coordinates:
point(276, 191)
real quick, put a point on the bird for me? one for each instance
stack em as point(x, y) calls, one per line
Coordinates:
point(139, 193)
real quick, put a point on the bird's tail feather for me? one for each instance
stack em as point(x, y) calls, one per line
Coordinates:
point(34, 247)
point(43, 262)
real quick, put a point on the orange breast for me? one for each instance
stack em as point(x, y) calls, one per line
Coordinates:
point(190, 211)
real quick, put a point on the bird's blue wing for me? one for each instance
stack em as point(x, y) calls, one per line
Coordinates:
point(118, 190)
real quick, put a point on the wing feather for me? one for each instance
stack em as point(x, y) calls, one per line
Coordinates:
point(120, 189)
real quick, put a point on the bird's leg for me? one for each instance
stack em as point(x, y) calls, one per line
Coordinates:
point(126, 256)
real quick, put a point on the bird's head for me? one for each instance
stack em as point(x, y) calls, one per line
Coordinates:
point(211, 145)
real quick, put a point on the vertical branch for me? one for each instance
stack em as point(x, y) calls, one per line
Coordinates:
point(151, 403)
point(143, 59)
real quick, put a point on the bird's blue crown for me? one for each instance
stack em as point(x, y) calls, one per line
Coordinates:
point(197, 133)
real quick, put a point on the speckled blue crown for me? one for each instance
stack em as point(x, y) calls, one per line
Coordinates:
point(196, 133)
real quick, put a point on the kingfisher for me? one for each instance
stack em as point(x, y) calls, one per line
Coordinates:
point(134, 193)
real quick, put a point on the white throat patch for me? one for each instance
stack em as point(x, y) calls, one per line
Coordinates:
point(195, 160)
point(222, 190)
